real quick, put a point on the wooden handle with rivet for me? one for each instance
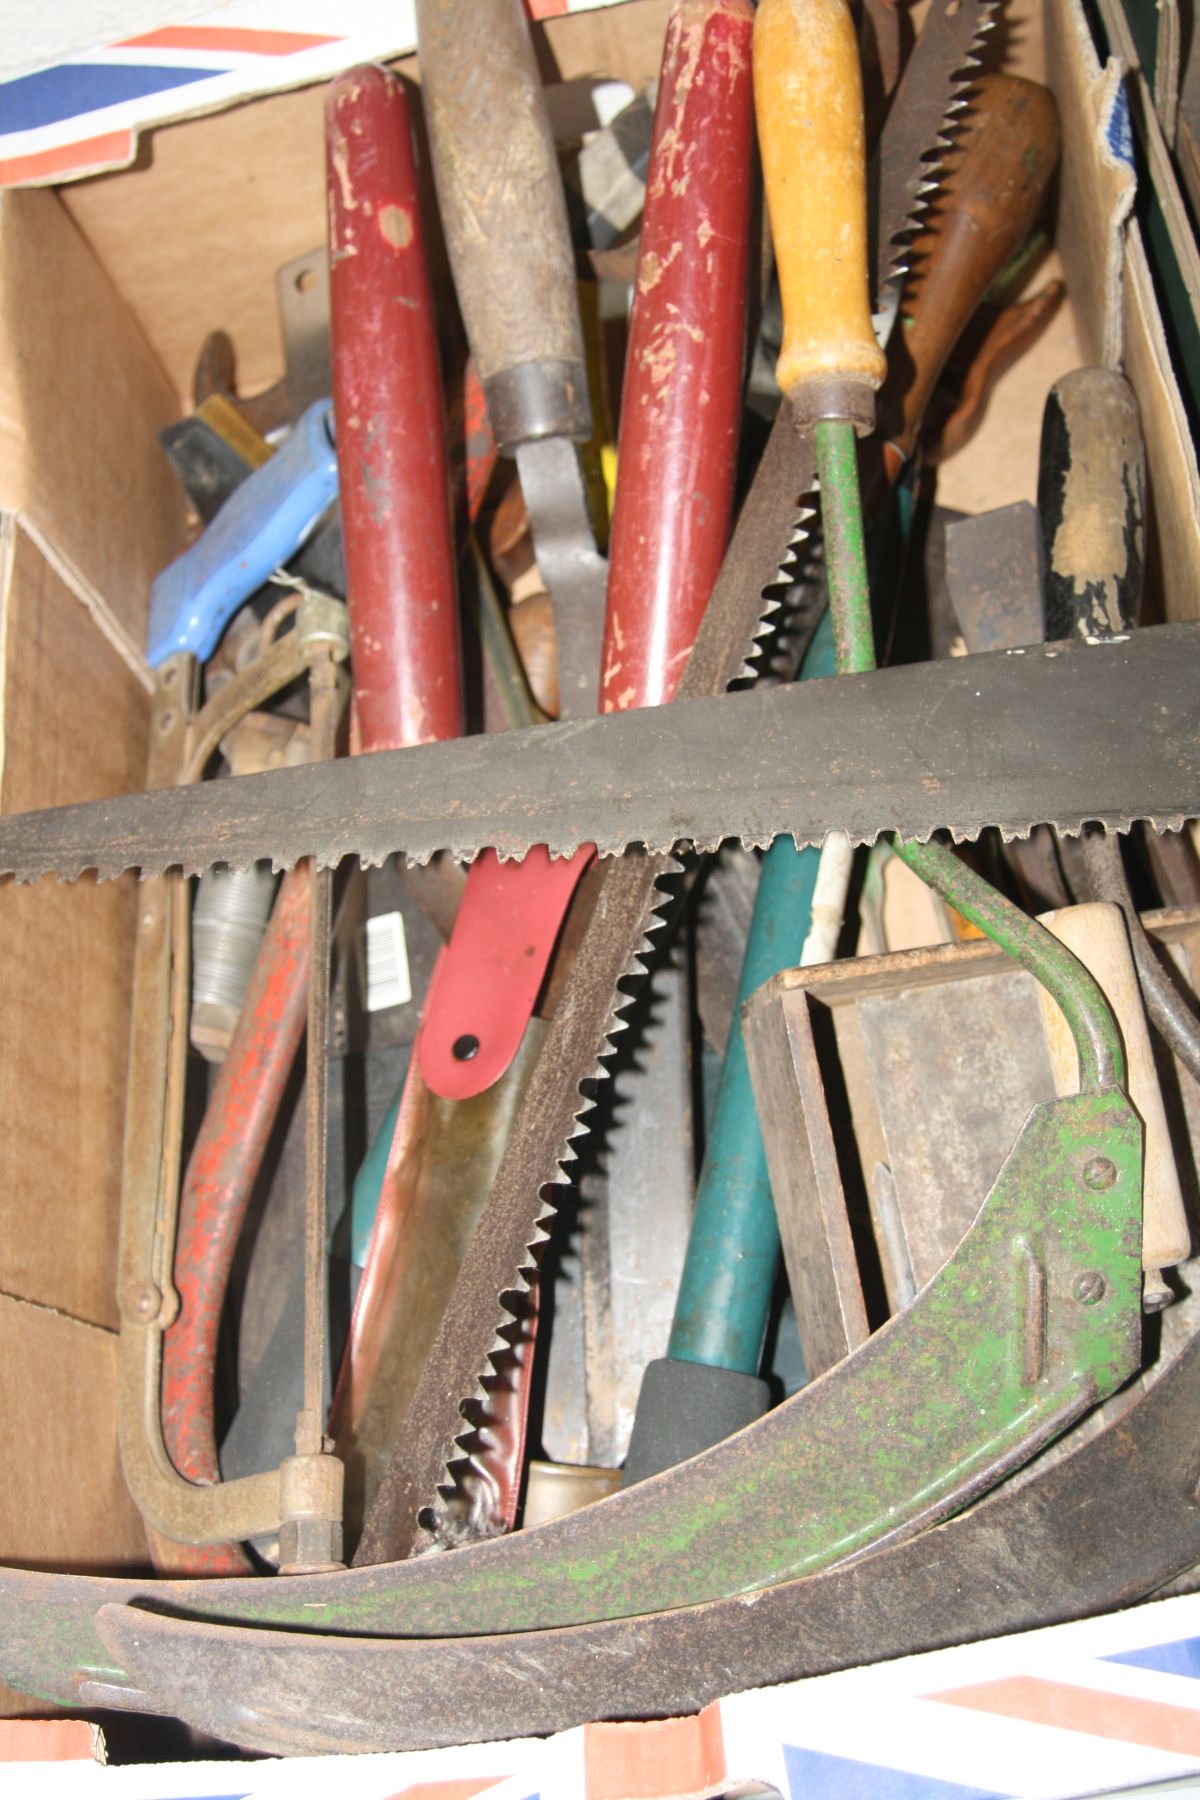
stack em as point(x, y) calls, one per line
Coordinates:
point(1096, 934)
point(808, 95)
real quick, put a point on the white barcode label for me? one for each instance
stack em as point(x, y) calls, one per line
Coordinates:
point(388, 980)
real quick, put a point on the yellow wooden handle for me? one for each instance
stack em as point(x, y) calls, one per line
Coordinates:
point(808, 95)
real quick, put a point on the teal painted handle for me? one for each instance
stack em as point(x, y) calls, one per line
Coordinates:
point(728, 1277)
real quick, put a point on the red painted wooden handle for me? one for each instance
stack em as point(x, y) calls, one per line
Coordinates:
point(683, 374)
point(387, 397)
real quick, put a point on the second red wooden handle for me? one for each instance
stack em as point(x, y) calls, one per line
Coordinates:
point(683, 381)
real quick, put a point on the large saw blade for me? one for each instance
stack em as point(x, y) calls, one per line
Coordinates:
point(1057, 734)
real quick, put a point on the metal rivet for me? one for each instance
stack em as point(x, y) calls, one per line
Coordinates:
point(145, 1302)
point(1089, 1287)
point(1100, 1173)
point(465, 1048)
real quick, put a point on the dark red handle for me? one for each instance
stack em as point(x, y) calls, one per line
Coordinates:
point(387, 396)
point(683, 374)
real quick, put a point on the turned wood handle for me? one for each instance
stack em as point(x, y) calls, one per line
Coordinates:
point(504, 216)
point(995, 180)
point(808, 95)
point(682, 402)
point(1092, 501)
point(1096, 934)
point(401, 587)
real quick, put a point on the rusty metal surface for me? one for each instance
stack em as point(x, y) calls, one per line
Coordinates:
point(437, 1182)
point(1057, 1547)
point(954, 1070)
point(994, 574)
point(1055, 734)
point(869, 1454)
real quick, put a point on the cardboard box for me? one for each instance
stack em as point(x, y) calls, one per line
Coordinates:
point(106, 290)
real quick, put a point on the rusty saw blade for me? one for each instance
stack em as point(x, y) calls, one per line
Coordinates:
point(1057, 734)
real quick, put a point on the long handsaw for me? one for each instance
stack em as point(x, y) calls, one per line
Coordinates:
point(1061, 734)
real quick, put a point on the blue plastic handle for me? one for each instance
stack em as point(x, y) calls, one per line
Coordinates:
point(261, 525)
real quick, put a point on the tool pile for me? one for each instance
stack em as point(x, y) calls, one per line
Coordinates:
point(494, 1371)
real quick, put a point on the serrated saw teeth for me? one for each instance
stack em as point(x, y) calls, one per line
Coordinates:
point(926, 168)
point(634, 971)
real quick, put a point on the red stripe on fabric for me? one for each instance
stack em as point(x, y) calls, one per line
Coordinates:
point(1151, 1723)
point(462, 1789)
point(47, 1740)
point(662, 1756)
point(241, 39)
point(82, 157)
point(547, 9)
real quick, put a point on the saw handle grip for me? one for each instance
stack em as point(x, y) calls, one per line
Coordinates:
point(995, 181)
point(808, 97)
point(505, 216)
point(1096, 934)
point(1092, 502)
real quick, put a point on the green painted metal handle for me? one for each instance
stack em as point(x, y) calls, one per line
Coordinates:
point(1073, 988)
point(1097, 1040)
point(845, 546)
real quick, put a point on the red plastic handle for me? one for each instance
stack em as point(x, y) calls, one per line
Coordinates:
point(387, 397)
point(683, 373)
point(486, 982)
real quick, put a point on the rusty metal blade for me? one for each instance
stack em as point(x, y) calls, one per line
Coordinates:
point(1056, 1546)
point(916, 135)
point(1054, 734)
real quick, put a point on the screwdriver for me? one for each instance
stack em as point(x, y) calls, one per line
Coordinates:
point(808, 98)
point(825, 370)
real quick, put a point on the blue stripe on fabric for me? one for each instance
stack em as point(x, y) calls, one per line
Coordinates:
point(1182, 1658)
point(1118, 129)
point(814, 1775)
point(73, 89)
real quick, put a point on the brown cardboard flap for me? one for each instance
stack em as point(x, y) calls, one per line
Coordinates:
point(63, 1502)
point(81, 398)
point(192, 236)
point(74, 728)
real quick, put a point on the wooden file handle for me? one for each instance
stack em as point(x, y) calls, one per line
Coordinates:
point(808, 94)
point(505, 216)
